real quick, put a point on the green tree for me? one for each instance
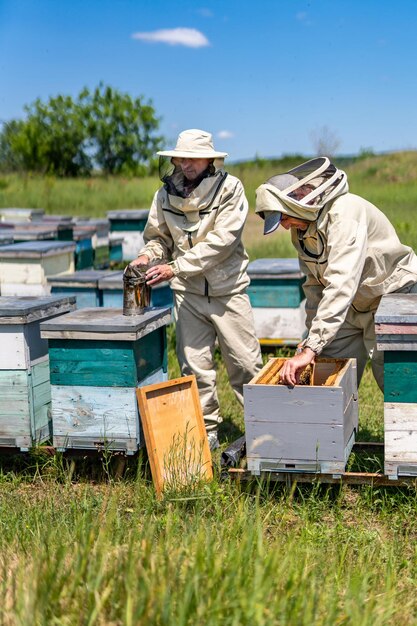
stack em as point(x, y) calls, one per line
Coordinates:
point(121, 130)
point(52, 139)
point(104, 129)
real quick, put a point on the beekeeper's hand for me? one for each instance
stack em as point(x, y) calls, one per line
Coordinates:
point(158, 274)
point(143, 259)
point(291, 371)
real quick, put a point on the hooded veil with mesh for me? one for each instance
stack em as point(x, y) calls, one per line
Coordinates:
point(315, 183)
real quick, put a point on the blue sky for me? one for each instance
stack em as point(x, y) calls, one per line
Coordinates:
point(264, 77)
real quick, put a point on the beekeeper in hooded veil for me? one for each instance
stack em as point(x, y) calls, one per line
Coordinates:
point(195, 223)
point(350, 254)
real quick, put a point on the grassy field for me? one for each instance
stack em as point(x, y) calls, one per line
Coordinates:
point(79, 547)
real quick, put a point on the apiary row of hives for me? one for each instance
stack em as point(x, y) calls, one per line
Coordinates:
point(70, 376)
point(35, 247)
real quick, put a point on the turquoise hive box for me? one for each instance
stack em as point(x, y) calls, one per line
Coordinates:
point(396, 333)
point(129, 224)
point(277, 299)
point(83, 284)
point(98, 357)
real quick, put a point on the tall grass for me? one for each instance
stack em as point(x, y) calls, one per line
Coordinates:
point(389, 181)
point(114, 555)
point(89, 197)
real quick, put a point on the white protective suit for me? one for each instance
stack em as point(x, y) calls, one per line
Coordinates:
point(351, 256)
point(201, 236)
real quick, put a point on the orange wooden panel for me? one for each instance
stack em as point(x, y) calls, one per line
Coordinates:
point(175, 433)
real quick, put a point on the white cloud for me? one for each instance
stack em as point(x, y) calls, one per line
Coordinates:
point(205, 12)
point(225, 134)
point(301, 16)
point(189, 37)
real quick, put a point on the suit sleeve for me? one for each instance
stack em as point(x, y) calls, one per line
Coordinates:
point(347, 248)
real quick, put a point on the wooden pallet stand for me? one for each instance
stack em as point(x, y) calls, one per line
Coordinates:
point(98, 357)
point(396, 333)
point(306, 428)
point(175, 435)
point(25, 391)
point(277, 300)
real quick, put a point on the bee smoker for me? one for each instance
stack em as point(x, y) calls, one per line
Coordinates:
point(136, 293)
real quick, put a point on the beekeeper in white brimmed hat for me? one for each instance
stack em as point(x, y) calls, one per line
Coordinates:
point(195, 223)
point(350, 254)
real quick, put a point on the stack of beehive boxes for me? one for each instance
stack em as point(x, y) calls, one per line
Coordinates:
point(129, 224)
point(306, 428)
point(25, 391)
point(396, 331)
point(25, 267)
point(98, 357)
point(277, 300)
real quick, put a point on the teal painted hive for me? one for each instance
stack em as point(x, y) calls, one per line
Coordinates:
point(100, 241)
point(84, 252)
point(98, 357)
point(130, 224)
point(115, 249)
point(396, 332)
point(277, 299)
point(25, 391)
point(83, 284)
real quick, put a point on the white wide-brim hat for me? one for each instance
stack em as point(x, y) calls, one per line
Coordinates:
point(194, 144)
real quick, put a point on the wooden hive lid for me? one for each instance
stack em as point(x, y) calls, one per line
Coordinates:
point(274, 268)
point(25, 309)
point(128, 214)
point(397, 308)
point(105, 323)
point(36, 249)
point(83, 278)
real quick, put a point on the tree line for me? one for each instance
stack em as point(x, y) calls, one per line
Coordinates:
point(103, 130)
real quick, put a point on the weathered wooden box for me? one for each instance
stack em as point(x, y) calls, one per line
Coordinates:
point(25, 267)
point(277, 300)
point(396, 333)
point(100, 241)
point(130, 224)
point(25, 392)
point(304, 428)
point(98, 357)
point(21, 215)
point(83, 284)
point(33, 232)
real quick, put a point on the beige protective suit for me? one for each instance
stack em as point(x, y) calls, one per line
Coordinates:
point(351, 256)
point(202, 235)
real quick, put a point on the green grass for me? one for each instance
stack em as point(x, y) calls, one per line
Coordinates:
point(390, 181)
point(78, 547)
